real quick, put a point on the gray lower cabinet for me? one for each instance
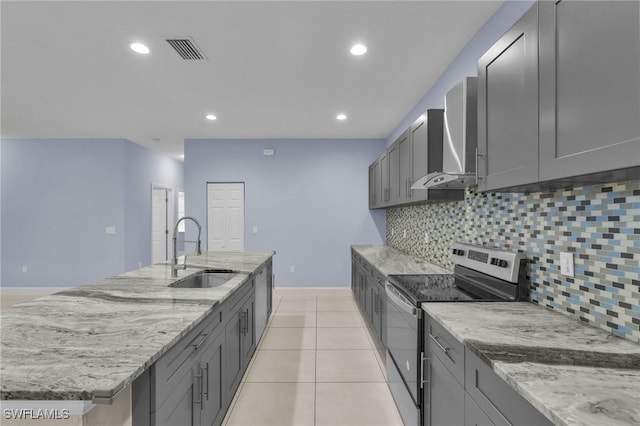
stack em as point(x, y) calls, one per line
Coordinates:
point(508, 108)
point(473, 415)
point(180, 378)
point(589, 87)
point(367, 285)
point(263, 284)
point(460, 389)
point(193, 383)
point(239, 339)
point(501, 404)
point(443, 397)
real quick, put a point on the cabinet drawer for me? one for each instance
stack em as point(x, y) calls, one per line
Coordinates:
point(448, 349)
point(233, 302)
point(501, 403)
point(172, 366)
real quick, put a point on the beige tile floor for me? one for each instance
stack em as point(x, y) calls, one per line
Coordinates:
point(315, 365)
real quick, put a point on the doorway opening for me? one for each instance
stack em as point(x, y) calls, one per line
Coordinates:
point(162, 212)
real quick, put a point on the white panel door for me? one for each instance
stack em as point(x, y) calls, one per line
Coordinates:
point(159, 225)
point(225, 216)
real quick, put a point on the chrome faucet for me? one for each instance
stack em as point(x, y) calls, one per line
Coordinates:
point(174, 261)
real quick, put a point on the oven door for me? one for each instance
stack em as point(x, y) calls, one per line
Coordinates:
point(403, 335)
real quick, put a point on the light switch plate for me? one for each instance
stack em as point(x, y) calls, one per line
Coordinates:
point(110, 230)
point(404, 233)
point(426, 237)
point(254, 230)
point(566, 264)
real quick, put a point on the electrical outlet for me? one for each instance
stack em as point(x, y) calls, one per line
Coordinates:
point(254, 230)
point(292, 269)
point(110, 230)
point(25, 269)
point(566, 263)
point(393, 232)
point(426, 237)
point(404, 233)
point(139, 265)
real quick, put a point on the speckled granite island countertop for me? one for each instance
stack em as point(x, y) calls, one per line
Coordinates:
point(90, 342)
point(573, 373)
point(390, 261)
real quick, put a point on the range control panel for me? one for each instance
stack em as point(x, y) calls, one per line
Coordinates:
point(503, 264)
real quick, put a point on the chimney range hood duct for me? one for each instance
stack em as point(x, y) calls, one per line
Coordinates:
point(460, 140)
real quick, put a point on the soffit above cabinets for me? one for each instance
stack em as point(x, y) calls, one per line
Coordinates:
point(270, 69)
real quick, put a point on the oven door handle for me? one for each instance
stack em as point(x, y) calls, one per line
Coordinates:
point(399, 300)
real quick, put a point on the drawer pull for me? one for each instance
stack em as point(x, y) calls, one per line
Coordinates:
point(435, 339)
point(199, 377)
point(197, 345)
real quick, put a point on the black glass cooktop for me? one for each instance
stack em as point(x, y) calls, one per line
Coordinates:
point(438, 288)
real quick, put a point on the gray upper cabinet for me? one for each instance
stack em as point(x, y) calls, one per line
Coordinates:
point(384, 178)
point(559, 98)
point(508, 108)
point(406, 166)
point(416, 152)
point(373, 201)
point(394, 171)
point(589, 87)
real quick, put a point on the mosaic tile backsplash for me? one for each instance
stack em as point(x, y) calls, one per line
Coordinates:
point(600, 224)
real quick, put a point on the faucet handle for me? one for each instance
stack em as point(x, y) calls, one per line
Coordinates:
point(199, 250)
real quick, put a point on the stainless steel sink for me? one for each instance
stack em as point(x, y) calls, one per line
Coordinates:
point(208, 278)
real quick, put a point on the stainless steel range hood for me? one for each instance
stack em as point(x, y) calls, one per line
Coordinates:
point(460, 140)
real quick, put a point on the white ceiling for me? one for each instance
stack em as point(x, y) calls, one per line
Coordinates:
point(273, 69)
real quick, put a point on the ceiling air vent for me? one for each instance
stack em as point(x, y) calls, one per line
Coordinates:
point(186, 48)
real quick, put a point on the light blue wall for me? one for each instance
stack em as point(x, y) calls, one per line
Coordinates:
point(144, 167)
point(309, 201)
point(466, 62)
point(57, 198)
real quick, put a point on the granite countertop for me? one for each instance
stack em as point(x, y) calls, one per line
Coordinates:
point(91, 342)
point(573, 373)
point(390, 261)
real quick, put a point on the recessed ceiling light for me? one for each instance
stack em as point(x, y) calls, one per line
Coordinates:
point(139, 48)
point(211, 117)
point(358, 49)
point(341, 117)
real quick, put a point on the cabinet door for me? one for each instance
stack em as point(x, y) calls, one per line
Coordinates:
point(384, 179)
point(405, 167)
point(269, 272)
point(499, 401)
point(394, 173)
point(248, 335)
point(178, 408)
point(372, 186)
point(589, 87)
point(212, 391)
point(232, 355)
point(508, 108)
point(444, 400)
point(473, 415)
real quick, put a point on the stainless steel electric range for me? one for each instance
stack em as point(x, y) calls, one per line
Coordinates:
point(481, 274)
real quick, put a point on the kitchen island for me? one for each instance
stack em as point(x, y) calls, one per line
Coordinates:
point(574, 374)
point(85, 346)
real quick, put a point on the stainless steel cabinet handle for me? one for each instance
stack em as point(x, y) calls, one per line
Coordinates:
point(423, 365)
point(197, 345)
point(435, 339)
point(478, 155)
point(199, 377)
